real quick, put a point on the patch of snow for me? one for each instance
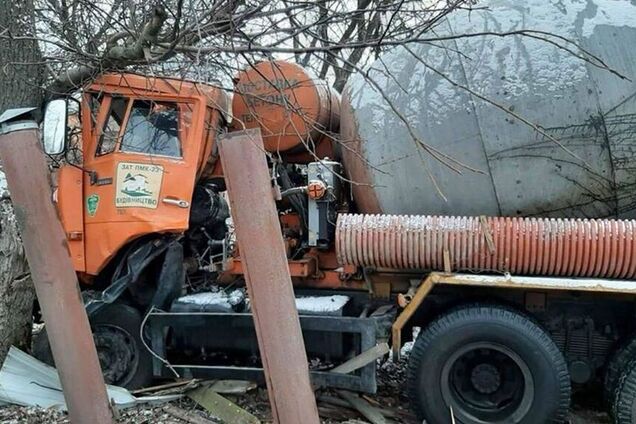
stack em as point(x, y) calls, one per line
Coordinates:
point(310, 305)
point(321, 304)
point(408, 346)
point(4, 189)
point(215, 298)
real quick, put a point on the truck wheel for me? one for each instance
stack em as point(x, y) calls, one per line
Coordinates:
point(623, 406)
point(124, 360)
point(490, 364)
point(618, 362)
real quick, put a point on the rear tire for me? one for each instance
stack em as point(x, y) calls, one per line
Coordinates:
point(623, 397)
point(124, 359)
point(490, 364)
point(616, 365)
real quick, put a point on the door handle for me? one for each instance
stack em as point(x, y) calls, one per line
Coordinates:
point(176, 202)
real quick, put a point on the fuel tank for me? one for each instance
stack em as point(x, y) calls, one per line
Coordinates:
point(293, 109)
point(420, 138)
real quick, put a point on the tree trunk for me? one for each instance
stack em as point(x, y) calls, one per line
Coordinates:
point(20, 86)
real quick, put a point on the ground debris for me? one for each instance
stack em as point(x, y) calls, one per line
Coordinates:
point(188, 416)
point(391, 399)
point(368, 411)
point(181, 386)
point(232, 387)
point(13, 414)
point(362, 359)
point(220, 407)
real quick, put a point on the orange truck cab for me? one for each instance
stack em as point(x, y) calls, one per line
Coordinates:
point(145, 143)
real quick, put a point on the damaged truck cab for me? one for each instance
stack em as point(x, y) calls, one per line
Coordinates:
point(145, 143)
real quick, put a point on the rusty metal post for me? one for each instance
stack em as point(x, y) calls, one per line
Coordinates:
point(268, 282)
point(55, 281)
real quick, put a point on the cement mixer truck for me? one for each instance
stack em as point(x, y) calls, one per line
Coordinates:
point(408, 204)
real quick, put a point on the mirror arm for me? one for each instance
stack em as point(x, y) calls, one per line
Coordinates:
point(66, 128)
point(92, 175)
point(79, 107)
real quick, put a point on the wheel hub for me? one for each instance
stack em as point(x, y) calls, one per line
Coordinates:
point(487, 382)
point(485, 378)
point(116, 353)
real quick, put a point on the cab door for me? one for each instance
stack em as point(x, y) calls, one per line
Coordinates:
point(141, 164)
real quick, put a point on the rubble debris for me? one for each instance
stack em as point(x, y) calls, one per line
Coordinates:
point(333, 409)
point(371, 413)
point(319, 364)
point(338, 414)
point(232, 387)
point(334, 401)
point(180, 386)
point(26, 381)
point(184, 415)
point(342, 403)
point(222, 408)
point(362, 359)
point(14, 414)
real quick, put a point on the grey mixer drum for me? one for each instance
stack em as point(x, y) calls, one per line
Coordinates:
point(581, 162)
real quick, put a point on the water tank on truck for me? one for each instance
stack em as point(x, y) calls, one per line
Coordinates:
point(580, 163)
point(295, 111)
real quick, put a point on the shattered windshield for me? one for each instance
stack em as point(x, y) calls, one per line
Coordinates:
point(110, 131)
point(152, 129)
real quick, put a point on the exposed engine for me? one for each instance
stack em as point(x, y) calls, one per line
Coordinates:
point(309, 197)
point(206, 242)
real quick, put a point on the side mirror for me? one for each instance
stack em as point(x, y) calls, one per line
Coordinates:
point(54, 128)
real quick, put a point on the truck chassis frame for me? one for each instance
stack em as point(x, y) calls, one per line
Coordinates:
point(366, 331)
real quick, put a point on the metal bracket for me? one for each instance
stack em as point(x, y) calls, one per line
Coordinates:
point(423, 291)
point(17, 119)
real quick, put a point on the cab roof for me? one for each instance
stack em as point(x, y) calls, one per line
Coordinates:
point(135, 85)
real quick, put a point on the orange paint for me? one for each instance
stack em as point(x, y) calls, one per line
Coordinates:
point(293, 110)
point(115, 217)
point(69, 198)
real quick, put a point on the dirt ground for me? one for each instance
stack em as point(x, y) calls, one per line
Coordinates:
point(391, 396)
